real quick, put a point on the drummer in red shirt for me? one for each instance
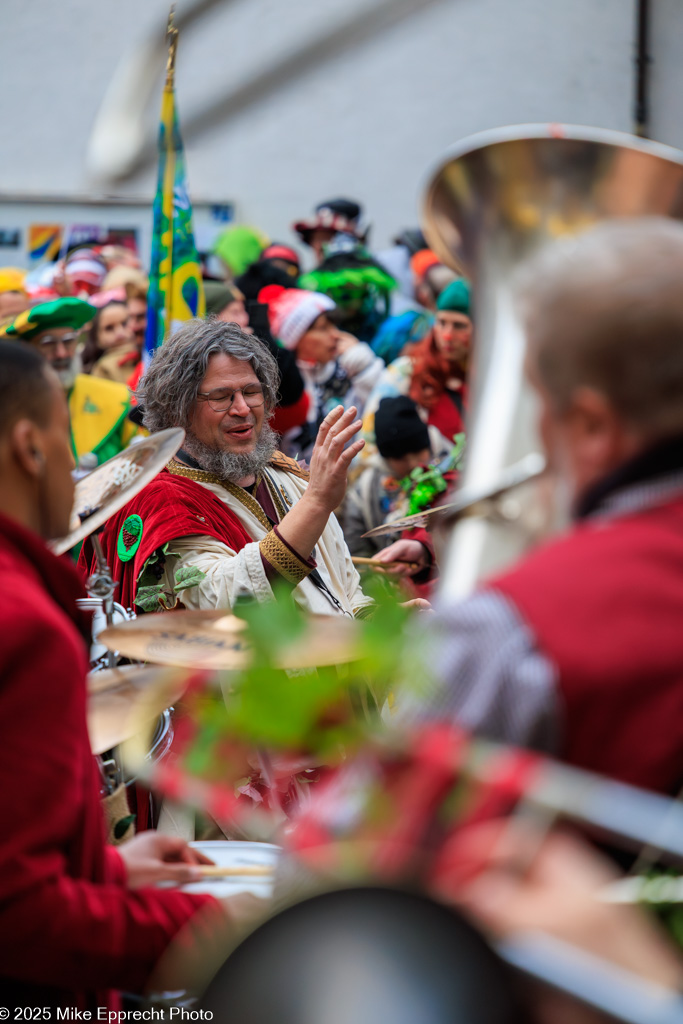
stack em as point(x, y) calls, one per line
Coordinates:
point(78, 919)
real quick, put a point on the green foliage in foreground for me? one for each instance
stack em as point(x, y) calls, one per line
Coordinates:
point(321, 712)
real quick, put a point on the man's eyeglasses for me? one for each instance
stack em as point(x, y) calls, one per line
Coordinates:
point(50, 341)
point(221, 399)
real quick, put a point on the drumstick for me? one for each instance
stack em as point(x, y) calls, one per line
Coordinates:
point(357, 560)
point(216, 871)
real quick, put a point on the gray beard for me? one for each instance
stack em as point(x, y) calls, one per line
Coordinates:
point(67, 375)
point(233, 466)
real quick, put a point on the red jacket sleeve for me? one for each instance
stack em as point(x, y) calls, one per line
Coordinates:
point(65, 919)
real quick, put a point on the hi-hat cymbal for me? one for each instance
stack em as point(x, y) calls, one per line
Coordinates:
point(121, 701)
point(469, 501)
point(107, 489)
point(216, 639)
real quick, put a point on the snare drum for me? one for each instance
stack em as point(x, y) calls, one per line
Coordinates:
point(251, 868)
point(162, 740)
point(141, 800)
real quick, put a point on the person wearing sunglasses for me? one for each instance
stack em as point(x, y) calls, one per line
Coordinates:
point(98, 408)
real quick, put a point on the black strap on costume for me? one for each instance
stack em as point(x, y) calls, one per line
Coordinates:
point(185, 457)
point(314, 576)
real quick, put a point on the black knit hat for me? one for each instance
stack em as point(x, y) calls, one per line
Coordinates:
point(399, 429)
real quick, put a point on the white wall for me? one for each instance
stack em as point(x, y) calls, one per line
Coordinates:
point(368, 123)
point(667, 72)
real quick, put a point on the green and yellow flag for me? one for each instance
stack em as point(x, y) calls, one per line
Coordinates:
point(176, 292)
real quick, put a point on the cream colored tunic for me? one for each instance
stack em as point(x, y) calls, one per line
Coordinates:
point(230, 573)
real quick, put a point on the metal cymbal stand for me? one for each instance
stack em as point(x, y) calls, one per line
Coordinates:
point(101, 584)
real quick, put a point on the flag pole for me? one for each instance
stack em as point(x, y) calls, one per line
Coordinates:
point(172, 38)
point(175, 291)
point(168, 117)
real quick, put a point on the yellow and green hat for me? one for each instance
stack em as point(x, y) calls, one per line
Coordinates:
point(66, 312)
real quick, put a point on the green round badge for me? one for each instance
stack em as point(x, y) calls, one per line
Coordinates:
point(129, 538)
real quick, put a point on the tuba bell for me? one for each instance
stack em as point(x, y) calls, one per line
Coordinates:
point(495, 199)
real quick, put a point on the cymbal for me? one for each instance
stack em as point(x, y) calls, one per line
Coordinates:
point(121, 701)
point(468, 500)
point(107, 489)
point(217, 640)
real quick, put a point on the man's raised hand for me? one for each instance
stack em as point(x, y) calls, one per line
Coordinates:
point(302, 526)
point(331, 458)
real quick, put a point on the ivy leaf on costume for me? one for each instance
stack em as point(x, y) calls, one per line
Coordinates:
point(151, 598)
point(189, 576)
point(122, 826)
point(154, 567)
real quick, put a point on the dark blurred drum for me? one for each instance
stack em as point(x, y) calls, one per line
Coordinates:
point(364, 956)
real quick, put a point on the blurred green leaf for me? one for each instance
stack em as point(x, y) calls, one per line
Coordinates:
point(272, 624)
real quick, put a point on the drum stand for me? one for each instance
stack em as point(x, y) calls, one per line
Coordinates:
point(102, 585)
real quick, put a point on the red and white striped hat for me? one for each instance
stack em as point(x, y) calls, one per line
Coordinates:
point(291, 311)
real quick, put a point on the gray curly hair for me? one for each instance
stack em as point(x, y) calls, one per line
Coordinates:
point(168, 391)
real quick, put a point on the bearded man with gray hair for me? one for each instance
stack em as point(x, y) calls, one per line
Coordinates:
point(578, 649)
point(230, 515)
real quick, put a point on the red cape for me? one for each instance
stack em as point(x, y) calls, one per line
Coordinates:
point(169, 507)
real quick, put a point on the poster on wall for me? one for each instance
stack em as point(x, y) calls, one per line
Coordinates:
point(44, 242)
point(10, 238)
point(127, 237)
point(84, 234)
point(38, 232)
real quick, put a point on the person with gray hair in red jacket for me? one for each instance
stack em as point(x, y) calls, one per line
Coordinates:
point(578, 649)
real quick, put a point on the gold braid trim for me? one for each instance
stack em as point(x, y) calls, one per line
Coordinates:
point(282, 560)
point(281, 461)
point(366, 611)
point(178, 469)
point(244, 497)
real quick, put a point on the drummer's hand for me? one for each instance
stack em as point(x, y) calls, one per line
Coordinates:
point(330, 460)
point(411, 552)
point(151, 857)
point(418, 602)
point(554, 885)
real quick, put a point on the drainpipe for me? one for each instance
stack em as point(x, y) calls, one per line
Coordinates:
point(641, 107)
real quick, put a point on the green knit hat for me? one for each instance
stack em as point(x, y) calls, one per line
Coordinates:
point(455, 298)
point(66, 312)
point(239, 247)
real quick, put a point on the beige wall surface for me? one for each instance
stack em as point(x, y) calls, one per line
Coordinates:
point(324, 97)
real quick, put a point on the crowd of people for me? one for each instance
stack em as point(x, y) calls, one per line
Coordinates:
point(344, 332)
point(312, 403)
